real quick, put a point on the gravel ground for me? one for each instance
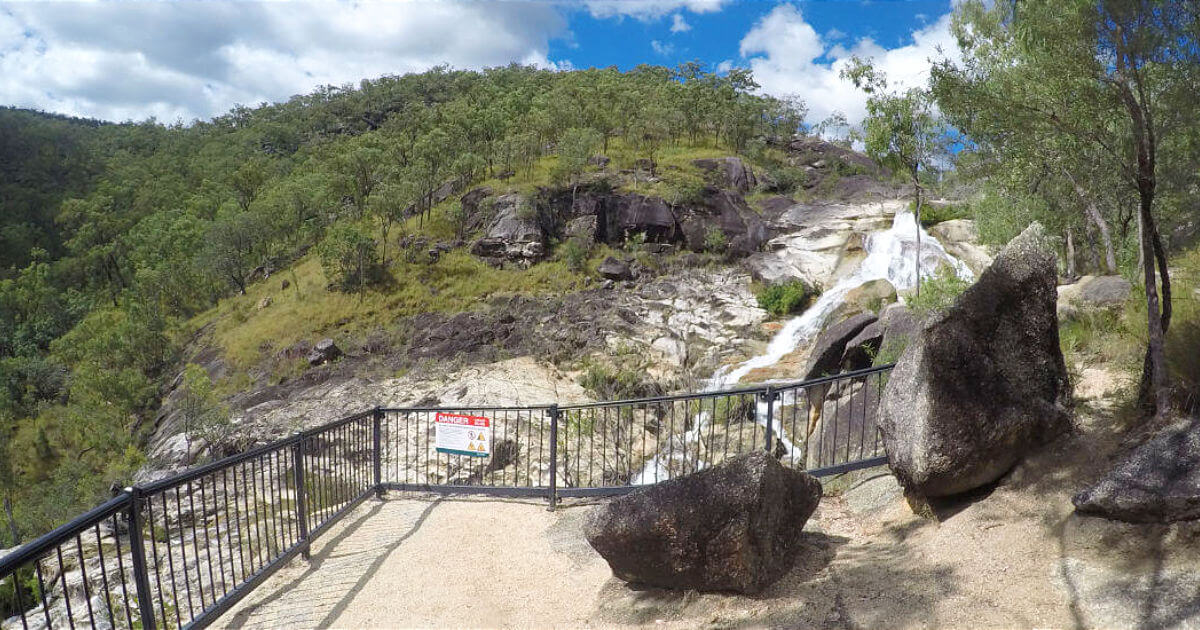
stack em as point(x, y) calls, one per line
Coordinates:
point(1011, 556)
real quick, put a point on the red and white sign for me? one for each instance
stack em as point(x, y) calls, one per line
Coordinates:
point(459, 434)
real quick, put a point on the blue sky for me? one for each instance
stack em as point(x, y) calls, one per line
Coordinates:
point(178, 61)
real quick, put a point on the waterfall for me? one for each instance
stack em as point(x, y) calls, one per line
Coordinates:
point(890, 256)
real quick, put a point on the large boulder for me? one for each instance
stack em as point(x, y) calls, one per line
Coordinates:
point(827, 350)
point(513, 234)
point(634, 214)
point(613, 269)
point(728, 172)
point(863, 347)
point(1092, 293)
point(984, 382)
point(324, 352)
point(1158, 482)
point(868, 297)
point(727, 212)
point(733, 527)
point(960, 238)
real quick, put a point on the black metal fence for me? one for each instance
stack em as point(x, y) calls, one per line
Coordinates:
point(179, 552)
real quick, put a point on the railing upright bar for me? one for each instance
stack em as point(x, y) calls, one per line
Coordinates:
point(552, 492)
point(769, 394)
point(378, 451)
point(137, 550)
point(301, 501)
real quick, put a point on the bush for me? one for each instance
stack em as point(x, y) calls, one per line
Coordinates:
point(615, 383)
point(781, 299)
point(932, 214)
point(937, 293)
point(348, 257)
point(715, 240)
point(575, 252)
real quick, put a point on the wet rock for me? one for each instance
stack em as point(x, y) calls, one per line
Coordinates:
point(613, 269)
point(324, 352)
point(513, 234)
point(983, 383)
point(1158, 482)
point(728, 172)
point(827, 350)
point(733, 527)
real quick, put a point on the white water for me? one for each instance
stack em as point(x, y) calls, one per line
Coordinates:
point(890, 256)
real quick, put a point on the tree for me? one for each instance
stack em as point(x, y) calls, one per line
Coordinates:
point(574, 150)
point(1116, 77)
point(348, 257)
point(901, 131)
point(201, 411)
point(387, 204)
point(232, 249)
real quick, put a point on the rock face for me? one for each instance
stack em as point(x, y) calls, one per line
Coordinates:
point(729, 172)
point(982, 383)
point(1158, 482)
point(1092, 293)
point(324, 352)
point(733, 527)
point(725, 211)
point(961, 240)
point(512, 234)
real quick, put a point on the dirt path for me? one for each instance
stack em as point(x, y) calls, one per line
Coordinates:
point(1012, 556)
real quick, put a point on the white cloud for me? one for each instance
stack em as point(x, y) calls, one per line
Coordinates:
point(789, 57)
point(661, 48)
point(647, 10)
point(679, 25)
point(185, 60)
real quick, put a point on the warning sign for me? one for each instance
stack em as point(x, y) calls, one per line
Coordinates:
point(463, 435)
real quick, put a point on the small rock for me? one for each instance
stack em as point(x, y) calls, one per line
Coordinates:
point(614, 269)
point(324, 352)
point(264, 303)
point(599, 160)
point(733, 527)
point(284, 285)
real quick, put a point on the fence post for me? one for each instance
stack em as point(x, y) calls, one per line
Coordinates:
point(553, 492)
point(301, 500)
point(770, 395)
point(137, 550)
point(377, 436)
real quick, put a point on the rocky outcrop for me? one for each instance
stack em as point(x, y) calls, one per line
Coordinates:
point(984, 382)
point(1091, 293)
point(862, 347)
point(728, 172)
point(324, 352)
point(960, 238)
point(733, 527)
point(726, 211)
point(1158, 482)
point(869, 297)
point(513, 233)
point(830, 345)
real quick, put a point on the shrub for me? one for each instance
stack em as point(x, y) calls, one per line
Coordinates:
point(781, 299)
point(715, 240)
point(575, 252)
point(937, 293)
point(348, 257)
point(932, 214)
point(614, 383)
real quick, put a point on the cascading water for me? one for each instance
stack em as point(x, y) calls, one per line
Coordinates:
point(890, 256)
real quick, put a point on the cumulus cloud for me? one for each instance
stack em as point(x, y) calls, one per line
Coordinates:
point(679, 25)
point(647, 10)
point(661, 48)
point(788, 56)
point(185, 60)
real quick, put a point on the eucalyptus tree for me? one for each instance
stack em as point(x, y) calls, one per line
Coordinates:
point(1115, 78)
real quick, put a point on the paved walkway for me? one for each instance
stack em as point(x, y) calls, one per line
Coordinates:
point(425, 562)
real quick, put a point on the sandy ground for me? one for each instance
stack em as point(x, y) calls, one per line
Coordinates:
point(1011, 556)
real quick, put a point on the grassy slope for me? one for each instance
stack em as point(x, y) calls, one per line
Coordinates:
point(306, 310)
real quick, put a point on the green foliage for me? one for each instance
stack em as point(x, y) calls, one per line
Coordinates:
point(937, 293)
point(785, 298)
point(608, 382)
point(348, 257)
point(575, 252)
point(932, 214)
point(715, 240)
point(201, 411)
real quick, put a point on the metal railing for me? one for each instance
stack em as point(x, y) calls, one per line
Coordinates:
point(180, 552)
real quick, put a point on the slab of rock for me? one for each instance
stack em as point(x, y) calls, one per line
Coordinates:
point(729, 172)
point(511, 235)
point(1092, 293)
point(725, 211)
point(324, 352)
point(733, 527)
point(983, 383)
point(862, 347)
point(1158, 482)
point(827, 350)
point(614, 269)
point(960, 238)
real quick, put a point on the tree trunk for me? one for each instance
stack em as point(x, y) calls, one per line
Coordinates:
point(1093, 214)
point(1070, 273)
point(1154, 389)
point(917, 193)
point(12, 522)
